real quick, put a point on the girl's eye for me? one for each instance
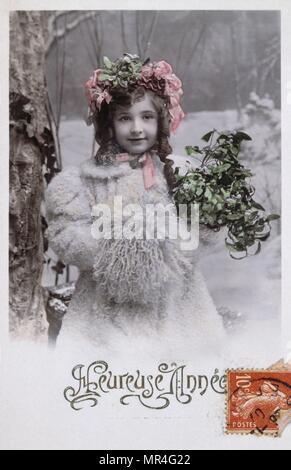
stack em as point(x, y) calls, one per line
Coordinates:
point(148, 116)
point(124, 118)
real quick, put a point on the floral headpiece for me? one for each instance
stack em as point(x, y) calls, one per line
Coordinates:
point(128, 72)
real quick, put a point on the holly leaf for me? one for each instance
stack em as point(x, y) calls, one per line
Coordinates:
point(258, 206)
point(263, 237)
point(242, 136)
point(258, 250)
point(273, 217)
point(147, 61)
point(107, 62)
point(192, 150)
point(222, 137)
point(207, 136)
point(104, 76)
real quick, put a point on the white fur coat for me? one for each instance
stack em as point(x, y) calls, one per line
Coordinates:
point(125, 287)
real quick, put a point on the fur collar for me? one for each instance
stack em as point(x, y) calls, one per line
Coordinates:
point(89, 169)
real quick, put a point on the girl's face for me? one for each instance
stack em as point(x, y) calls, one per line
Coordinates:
point(136, 126)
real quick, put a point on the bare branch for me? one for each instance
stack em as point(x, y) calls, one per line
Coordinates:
point(69, 27)
point(151, 33)
point(181, 49)
point(92, 35)
point(62, 79)
point(93, 39)
point(97, 40)
point(54, 131)
point(138, 32)
point(123, 34)
point(100, 38)
point(271, 52)
point(203, 48)
point(235, 68)
point(59, 14)
point(87, 44)
point(194, 48)
point(57, 81)
point(268, 70)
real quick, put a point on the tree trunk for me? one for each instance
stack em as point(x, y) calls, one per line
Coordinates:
point(30, 139)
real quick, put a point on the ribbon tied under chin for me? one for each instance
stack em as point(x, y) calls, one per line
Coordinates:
point(148, 167)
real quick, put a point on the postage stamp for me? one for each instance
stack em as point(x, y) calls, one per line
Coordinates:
point(258, 401)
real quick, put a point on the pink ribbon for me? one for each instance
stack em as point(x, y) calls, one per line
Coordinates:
point(148, 167)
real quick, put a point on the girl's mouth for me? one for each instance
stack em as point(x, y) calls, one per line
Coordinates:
point(136, 140)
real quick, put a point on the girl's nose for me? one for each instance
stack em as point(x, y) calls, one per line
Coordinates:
point(136, 128)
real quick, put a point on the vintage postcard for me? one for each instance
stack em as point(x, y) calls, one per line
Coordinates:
point(145, 253)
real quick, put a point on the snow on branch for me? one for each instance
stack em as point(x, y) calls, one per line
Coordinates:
point(56, 34)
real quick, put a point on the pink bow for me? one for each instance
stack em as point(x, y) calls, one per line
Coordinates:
point(148, 167)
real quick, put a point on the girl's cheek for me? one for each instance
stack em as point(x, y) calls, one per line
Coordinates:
point(126, 128)
point(154, 126)
point(122, 126)
point(150, 123)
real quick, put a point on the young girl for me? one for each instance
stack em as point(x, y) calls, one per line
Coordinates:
point(129, 286)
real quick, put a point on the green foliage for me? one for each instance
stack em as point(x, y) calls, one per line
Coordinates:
point(122, 73)
point(221, 185)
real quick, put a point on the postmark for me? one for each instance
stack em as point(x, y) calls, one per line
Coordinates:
point(258, 401)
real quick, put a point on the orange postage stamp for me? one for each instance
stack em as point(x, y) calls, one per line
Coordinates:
point(258, 401)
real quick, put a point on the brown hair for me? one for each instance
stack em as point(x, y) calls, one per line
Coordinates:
point(103, 123)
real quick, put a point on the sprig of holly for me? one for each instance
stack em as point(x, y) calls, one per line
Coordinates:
point(221, 185)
